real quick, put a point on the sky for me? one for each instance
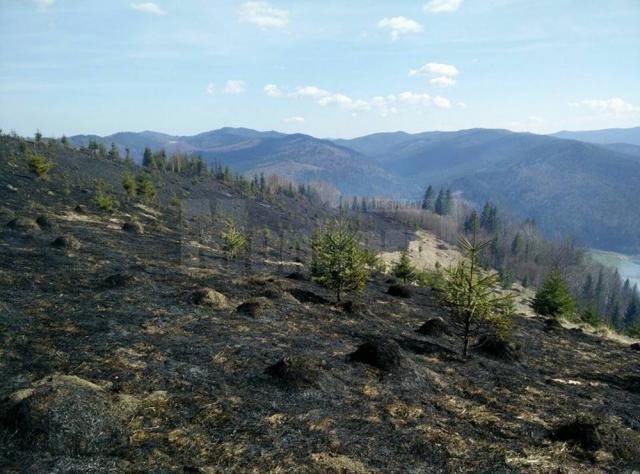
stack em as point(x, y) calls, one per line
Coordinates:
point(330, 69)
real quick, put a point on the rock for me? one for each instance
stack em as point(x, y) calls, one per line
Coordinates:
point(400, 291)
point(255, 306)
point(119, 280)
point(44, 222)
point(65, 415)
point(434, 327)
point(498, 348)
point(210, 298)
point(382, 353)
point(306, 296)
point(552, 324)
point(80, 209)
point(635, 346)
point(592, 434)
point(11, 188)
point(298, 276)
point(66, 242)
point(298, 372)
point(23, 224)
point(133, 227)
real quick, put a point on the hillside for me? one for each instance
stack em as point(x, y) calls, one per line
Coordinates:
point(300, 157)
point(570, 187)
point(610, 135)
point(147, 349)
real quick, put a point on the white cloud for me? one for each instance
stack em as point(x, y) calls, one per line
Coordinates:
point(42, 4)
point(294, 119)
point(211, 89)
point(148, 7)
point(400, 25)
point(442, 81)
point(310, 91)
point(234, 86)
point(441, 102)
point(264, 15)
point(413, 98)
point(461, 105)
point(614, 105)
point(272, 90)
point(433, 69)
point(439, 6)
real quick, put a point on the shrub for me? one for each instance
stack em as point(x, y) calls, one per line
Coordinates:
point(103, 198)
point(471, 295)
point(129, 184)
point(175, 200)
point(338, 260)
point(145, 187)
point(404, 269)
point(39, 165)
point(234, 242)
point(553, 298)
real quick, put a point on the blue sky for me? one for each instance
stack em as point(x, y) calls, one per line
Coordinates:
point(330, 69)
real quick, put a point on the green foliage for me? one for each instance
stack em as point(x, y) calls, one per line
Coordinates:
point(403, 269)
point(338, 260)
point(590, 316)
point(471, 296)
point(373, 261)
point(129, 184)
point(234, 241)
point(430, 278)
point(145, 188)
point(103, 198)
point(175, 200)
point(38, 164)
point(554, 298)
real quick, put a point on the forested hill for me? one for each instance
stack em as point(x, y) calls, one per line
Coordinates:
point(570, 187)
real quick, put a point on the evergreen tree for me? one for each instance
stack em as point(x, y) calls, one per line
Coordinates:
point(632, 314)
point(517, 245)
point(234, 241)
point(590, 315)
point(114, 154)
point(439, 205)
point(403, 269)
point(447, 204)
point(129, 184)
point(145, 187)
point(338, 260)
point(553, 298)
point(147, 158)
point(471, 297)
point(429, 201)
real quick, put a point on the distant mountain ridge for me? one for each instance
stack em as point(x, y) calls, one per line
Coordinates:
point(610, 135)
point(570, 187)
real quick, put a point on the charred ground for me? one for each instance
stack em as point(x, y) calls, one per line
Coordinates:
point(151, 351)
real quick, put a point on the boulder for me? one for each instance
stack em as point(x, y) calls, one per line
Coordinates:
point(306, 296)
point(382, 353)
point(635, 346)
point(352, 307)
point(552, 324)
point(80, 209)
point(434, 327)
point(44, 222)
point(298, 276)
point(65, 415)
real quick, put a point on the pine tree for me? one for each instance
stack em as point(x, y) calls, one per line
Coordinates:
point(114, 154)
point(129, 184)
point(439, 204)
point(632, 314)
point(553, 298)
point(147, 158)
point(429, 201)
point(471, 296)
point(145, 187)
point(403, 269)
point(234, 241)
point(338, 260)
point(447, 204)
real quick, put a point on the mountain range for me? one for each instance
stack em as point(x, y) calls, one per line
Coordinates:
point(570, 185)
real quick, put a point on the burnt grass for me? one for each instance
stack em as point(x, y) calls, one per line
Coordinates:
point(186, 387)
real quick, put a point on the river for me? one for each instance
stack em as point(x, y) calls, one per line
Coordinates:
point(628, 265)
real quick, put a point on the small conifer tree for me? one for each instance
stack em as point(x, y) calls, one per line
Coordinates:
point(403, 269)
point(553, 298)
point(338, 260)
point(471, 296)
point(233, 240)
